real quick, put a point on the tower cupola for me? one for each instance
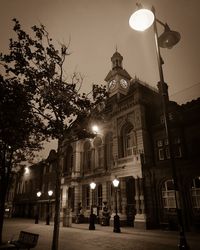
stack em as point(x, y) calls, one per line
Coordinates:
point(116, 60)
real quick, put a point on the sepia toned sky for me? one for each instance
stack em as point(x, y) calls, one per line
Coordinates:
point(96, 27)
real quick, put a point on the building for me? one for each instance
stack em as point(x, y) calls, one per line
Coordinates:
point(132, 146)
point(31, 180)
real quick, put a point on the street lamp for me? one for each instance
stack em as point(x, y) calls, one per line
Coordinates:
point(50, 193)
point(116, 228)
point(167, 40)
point(92, 216)
point(37, 208)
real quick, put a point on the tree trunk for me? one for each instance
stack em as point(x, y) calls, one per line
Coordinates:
point(57, 207)
point(3, 191)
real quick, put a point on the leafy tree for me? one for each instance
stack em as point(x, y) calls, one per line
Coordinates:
point(54, 105)
point(17, 133)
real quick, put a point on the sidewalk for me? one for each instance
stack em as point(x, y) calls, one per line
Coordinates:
point(80, 237)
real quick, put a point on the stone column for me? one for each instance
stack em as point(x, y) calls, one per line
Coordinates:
point(122, 202)
point(77, 197)
point(65, 212)
point(137, 196)
point(140, 217)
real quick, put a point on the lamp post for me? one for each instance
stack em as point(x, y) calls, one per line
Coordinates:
point(116, 228)
point(92, 216)
point(50, 193)
point(37, 208)
point(141, 20)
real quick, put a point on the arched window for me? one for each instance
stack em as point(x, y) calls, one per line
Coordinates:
point(195, 193)
point(108, 150)
point(98, 152)
point(87, 157)
point(68, 160)
point(128, 140)
point(168, 195)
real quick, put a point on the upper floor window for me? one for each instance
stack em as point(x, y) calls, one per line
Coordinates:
point(99, 158)
point(163, 148)
point(170, 116)
point(195, 193)
point(68, 160)
point(108, 150)
point(87, 157)
point(168, 195)
point(128, 140)
point(177, 147)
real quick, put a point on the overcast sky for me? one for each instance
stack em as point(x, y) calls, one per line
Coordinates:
point(96, 27)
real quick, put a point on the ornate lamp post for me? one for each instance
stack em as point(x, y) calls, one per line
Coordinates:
point(37, 208)
point(50, 193)
point(116, 228)
point(141, 20)
point(92, 216)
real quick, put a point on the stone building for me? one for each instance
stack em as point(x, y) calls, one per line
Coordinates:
point(132, 146)
point(31, 180)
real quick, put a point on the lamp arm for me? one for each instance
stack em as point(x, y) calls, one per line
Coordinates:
point(160, 22)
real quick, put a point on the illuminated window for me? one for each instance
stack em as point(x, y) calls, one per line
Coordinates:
point(168, 195)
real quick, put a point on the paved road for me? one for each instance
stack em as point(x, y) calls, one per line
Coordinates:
point(78, 237)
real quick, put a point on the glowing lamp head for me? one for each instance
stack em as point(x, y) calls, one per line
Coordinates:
point(95, 129)
point(39, 194)
point(141, 19)
point(50, 192)
point(115, 183)
point(92, 185)
point(27, 171)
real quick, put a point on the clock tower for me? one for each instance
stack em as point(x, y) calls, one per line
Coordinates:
point(118, 79)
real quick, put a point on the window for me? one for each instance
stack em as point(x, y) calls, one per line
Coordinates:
point(163, 149)
point(177, 147)
point(86, 196)
point(168, 195)
point(68, 160)
point(87, 157)
point(170, 117)
point(98, 152)
point(161, 154)
point(195, 193)
point(108, 150)
point(128, 140)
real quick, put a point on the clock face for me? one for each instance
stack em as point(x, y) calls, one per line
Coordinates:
point(112, 84)
point(123, 83)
